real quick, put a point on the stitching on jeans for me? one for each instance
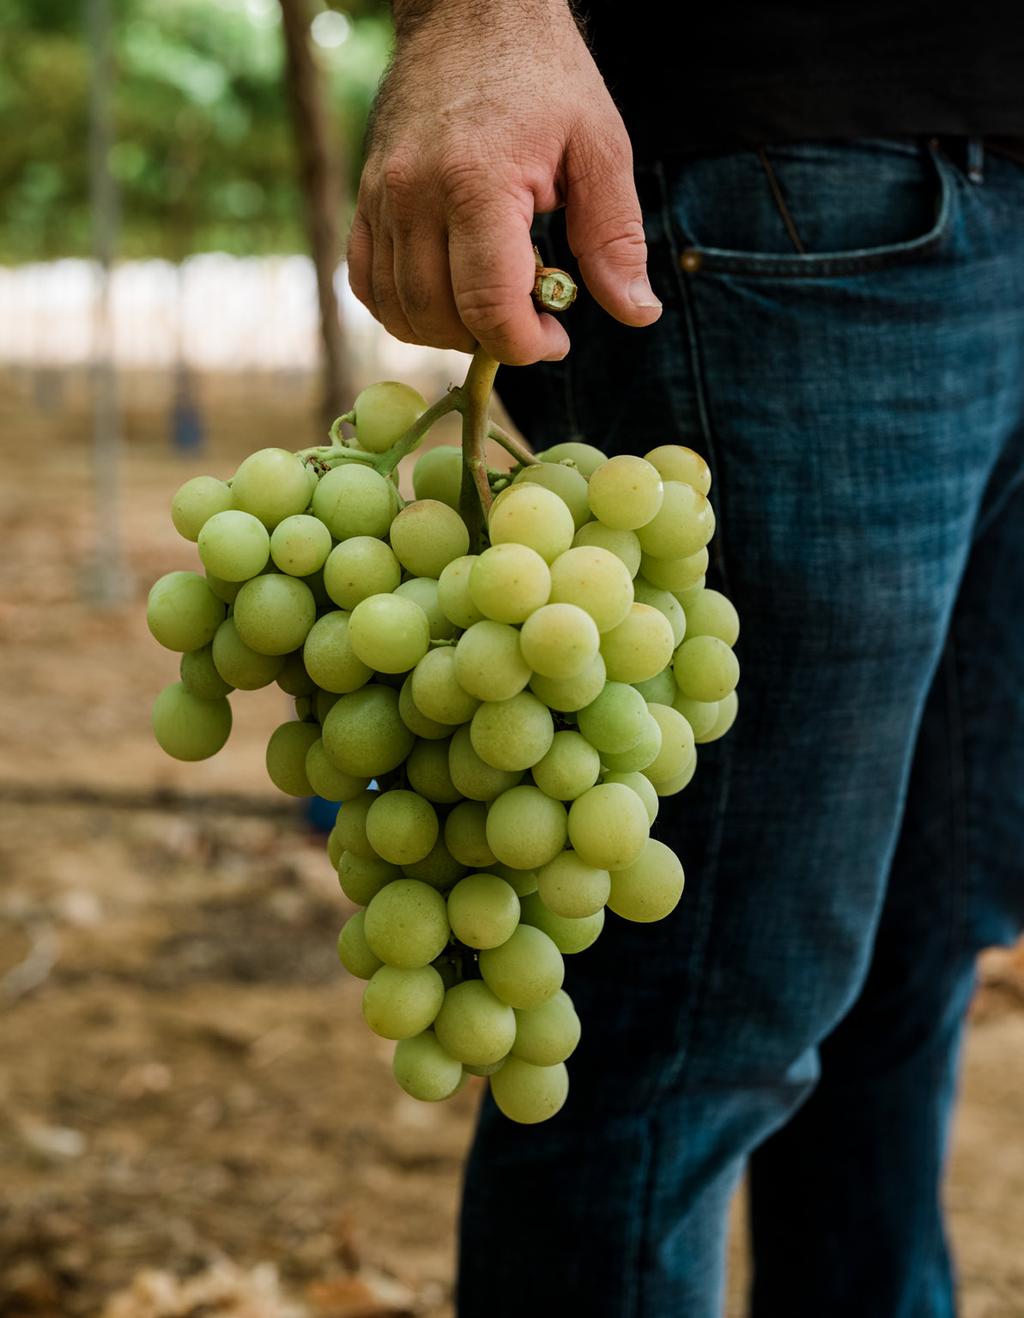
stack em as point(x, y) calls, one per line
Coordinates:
point(959, 821)
point(779, 198)
point(703, 927)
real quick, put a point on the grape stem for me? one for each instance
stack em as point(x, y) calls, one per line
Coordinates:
point(522, 453)
point(475, 497)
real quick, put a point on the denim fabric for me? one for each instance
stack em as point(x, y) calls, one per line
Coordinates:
point(843, 338)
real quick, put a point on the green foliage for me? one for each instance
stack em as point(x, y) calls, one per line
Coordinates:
point(203, 152)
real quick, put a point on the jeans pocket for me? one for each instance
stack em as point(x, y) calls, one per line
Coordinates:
point(812, 209)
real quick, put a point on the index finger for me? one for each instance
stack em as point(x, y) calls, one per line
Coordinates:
point(493, 271)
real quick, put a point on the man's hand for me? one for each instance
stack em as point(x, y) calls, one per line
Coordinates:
point(492, 113)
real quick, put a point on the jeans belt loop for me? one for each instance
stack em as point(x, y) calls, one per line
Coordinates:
point(976, 159)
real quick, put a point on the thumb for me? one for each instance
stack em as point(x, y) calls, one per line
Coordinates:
point(605, 229)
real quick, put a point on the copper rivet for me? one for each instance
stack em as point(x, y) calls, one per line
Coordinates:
point(690, 261)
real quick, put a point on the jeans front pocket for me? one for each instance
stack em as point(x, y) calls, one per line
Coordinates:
point(811, 210)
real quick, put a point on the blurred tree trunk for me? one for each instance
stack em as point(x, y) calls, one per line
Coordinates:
point(320, 177)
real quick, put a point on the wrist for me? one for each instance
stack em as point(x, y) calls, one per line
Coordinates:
point(485, 19)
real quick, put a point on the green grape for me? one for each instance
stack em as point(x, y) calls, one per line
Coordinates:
point(569, 936)
point(323, 703)
point(489, 663)
point(508, 581)
point(531, 515)
point(625, 492)
point(608, 826)
point(475, 1026)
point(407, 924)
point(428, 535)
point(686, 597)
point(638, 757)
point(473, 777)
point(559, 641)
point(436, 689)
point(595, 580)
point(490, 1069)
point(293, 677)
point(586, 457)
point(234, 545)
point(465, 835)
point(328, 782)
point(315, 582)
point(383, 412)
point(453, 592)
point(389, 633)
point(350, 826)
point(566, 482)
point(358, 568)
point(286, 757)
point(525, 828)
point(188, 728)
point(570, 694)
point(437, 474)
point(424, 1070)
point(401, 826)
point(666, 604)
point(364, 734)
point(660, 688)
point(428, 772)
point(673, 785)
point(623, 544)
point(362, 877)
point(300, 544)
point(398, 1003)
point(639, 647)
point(650, 888)
point(683, 526)
point(639, 784)
point(676, 748)
point(224, 590)
point(712, 614)
point(196, 502)
point(548, 1034)
point(423, 591)
point(674, 574)
point(419, 723)
point(678, 463)
point(329, 657)
point(271, 484)
point(334, 849)
point(700, 714)
point(182, 611)
point(274, 613)
point(199, 675)
point(305, 709)
point(512, 734)
point(706, 669)
point(354, 951)
point(529, 1094)
point(483, 911)
point(615, 720)
point(438, 867)
point(353, 499)
point(726, 717)
point(570, 766)
point(525, 970)
point(570, 887)
point(239, 665)
point(522, 882)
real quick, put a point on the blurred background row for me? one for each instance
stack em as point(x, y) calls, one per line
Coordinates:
point(193, 1117)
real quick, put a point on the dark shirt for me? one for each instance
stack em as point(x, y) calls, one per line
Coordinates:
point(740, 72)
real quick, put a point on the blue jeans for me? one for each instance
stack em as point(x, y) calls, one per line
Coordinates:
point(843, 338)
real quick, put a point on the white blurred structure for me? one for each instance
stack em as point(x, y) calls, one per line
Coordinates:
point(213, 312)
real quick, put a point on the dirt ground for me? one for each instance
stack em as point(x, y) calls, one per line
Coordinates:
point(193, 1118)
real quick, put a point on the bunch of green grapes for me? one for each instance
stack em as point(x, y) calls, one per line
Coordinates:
point(499, 725)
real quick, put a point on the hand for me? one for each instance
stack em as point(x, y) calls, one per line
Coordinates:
point(489, 115)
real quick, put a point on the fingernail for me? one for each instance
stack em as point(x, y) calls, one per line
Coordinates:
point(641, 294)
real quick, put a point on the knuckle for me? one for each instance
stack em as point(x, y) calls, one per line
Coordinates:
point(618, 240)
